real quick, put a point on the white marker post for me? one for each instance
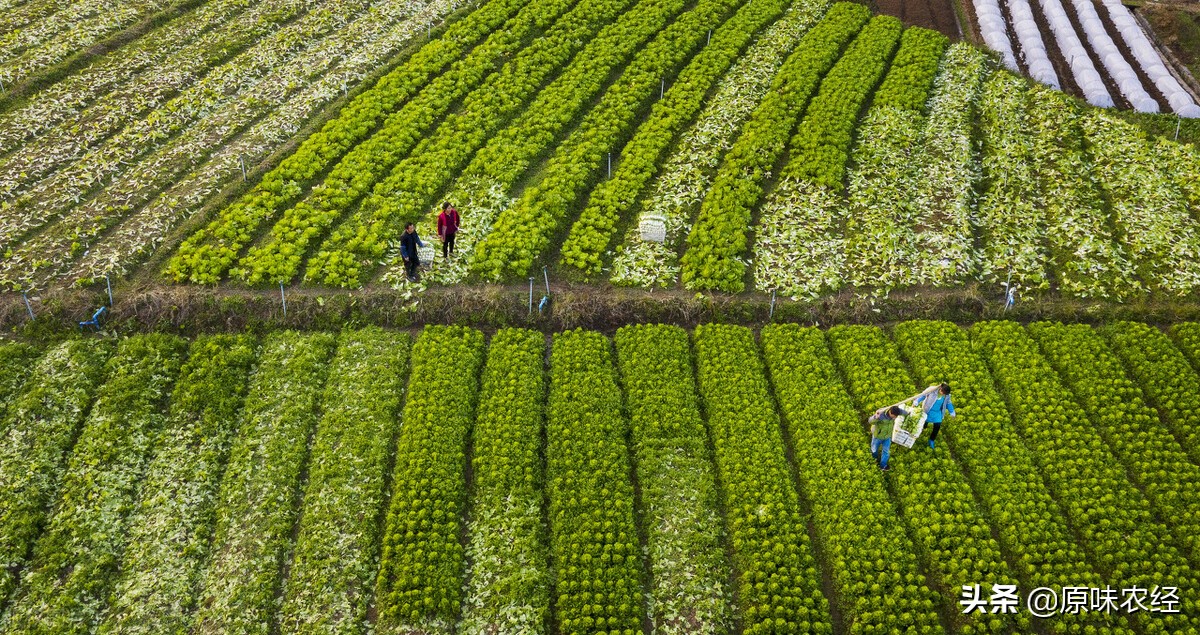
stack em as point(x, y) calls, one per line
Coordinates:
point(108, 285)
point(28, 307)
point(284, 298)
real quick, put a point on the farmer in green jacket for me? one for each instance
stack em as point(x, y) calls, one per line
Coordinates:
point(882, 423)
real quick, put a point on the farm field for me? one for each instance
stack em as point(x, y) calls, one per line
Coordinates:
point(799, 148)
point(657, 481)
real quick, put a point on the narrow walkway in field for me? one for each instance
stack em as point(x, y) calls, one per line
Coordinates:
point(931, 491)
point(330, 581)
point(260, 492)
point(420, 584)
point(1112, 516)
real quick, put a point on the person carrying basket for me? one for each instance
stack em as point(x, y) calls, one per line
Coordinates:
point(882, 423)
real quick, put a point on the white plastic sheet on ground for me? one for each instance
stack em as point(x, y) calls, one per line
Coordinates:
point(1148, 58)
point(1072, 49)
point(1033, 49)
point(995, 33)
point(1110, 56)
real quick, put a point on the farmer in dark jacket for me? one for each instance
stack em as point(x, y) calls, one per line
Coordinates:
point(409, 242)
point(882, 424)
point(448, 223)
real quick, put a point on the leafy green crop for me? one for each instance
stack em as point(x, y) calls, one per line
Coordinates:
point(336, 556)
point(719, 235)
point(259, 498)
point(39, 429)
point(75, 562)
point(957, 545)
point(688, 570)
point(1002, 471)
point(868, 559)
point(420, 578)
point(508, 580)
point(172, 527)
point(594, 540)
point(778, 585)
point(1113, 517)
point(1154, 460)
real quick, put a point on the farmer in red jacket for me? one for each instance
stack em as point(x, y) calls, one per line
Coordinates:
point(448, 223)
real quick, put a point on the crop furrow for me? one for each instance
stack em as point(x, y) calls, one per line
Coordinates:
point(508, 576)
point(1002, 471)
point(928, 485)
point(420, 584)
point(75, 562)
point(39, 430)
point(329, 587)
point(259, 495)
point(172, 525)
point(1110, 515)
point(851, 509)
point(689, 575)
point(719, 233)
point(778, 584)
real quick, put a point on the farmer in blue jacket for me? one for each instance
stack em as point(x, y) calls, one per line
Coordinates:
point(936, 403)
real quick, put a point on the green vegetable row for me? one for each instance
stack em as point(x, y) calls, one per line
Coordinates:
point(688, 573)
point(594, 540)
point(819, 149)
point(910, 76)
point(1113, 519)
point(419, 588)
point(1187, 337)
point(278, 257)
point(16, 363)
point(204, 257)
point(1008, 215)
point(39, 429)
point(1084, 258)
point(75, 561)
point(778, 584)
point(1154, 460)
point(855, 520)
point(508, 579)
point(524, 231)
point(719, 235)
point(946, 521)
point(362, 239)
point(259, 499)
point(332, 574)
point(1163, 372)
point(613, 201)
point(1028, 522)
point(560, 103)
point(172, 527)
